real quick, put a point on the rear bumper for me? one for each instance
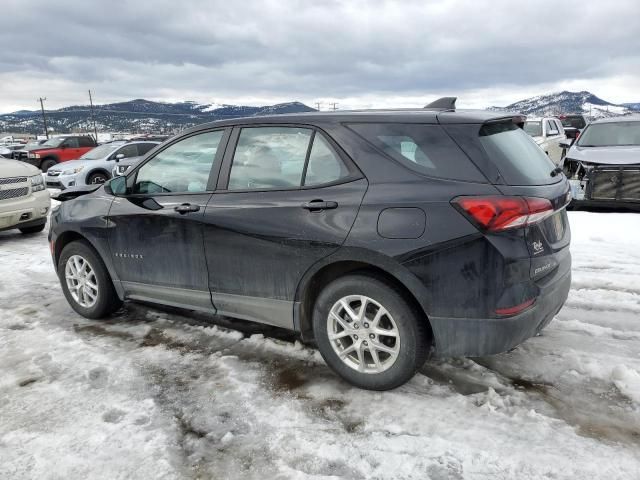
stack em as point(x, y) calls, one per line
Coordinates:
point(474, 337)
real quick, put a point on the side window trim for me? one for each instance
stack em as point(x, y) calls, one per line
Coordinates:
point(223, 178)
point(303, 178)
point(213, 173)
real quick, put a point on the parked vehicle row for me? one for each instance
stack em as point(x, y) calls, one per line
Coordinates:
point(95, 166)
point(383, 236)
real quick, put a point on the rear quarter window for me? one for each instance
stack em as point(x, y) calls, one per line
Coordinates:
point(425, 149)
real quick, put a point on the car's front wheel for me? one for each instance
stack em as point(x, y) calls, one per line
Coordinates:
point(369, 333)
point(85, 281)
point(97, 178)
point(46, 164)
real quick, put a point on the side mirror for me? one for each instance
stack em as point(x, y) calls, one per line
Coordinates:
point(566, 144)
point(119, 157)
point(116, 186)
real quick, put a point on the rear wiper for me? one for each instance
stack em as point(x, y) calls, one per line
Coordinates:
point(556, 171)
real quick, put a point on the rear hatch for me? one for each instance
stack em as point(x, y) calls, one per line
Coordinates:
point(522, 172)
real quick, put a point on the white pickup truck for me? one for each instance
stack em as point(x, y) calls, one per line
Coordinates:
point(547, 132)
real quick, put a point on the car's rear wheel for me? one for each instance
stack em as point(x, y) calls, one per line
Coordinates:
point(97, 178)
point(46, 164)
point(369, 333)
point(85, 281)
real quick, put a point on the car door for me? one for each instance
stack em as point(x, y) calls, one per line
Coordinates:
point(287, 197)
point(70, 149)
point(553, 140)
point(156, 228)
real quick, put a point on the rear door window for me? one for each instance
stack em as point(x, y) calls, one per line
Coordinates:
point(425, 149)
point(516, 155)
point(269, 158)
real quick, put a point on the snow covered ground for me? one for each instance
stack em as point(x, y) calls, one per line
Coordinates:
point(156, 394)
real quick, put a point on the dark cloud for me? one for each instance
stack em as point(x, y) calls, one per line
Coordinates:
point(290, 49)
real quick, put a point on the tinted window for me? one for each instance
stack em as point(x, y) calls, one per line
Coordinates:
point(324, 165)
point(128, 151)
point(516, 155)
point(426, 149)
point(86, 142)
point(183, 167)
point(71, 143)
point(269, 157)
point(610, 134)
point(144, 147)
point(98, 153)
point(575, 121)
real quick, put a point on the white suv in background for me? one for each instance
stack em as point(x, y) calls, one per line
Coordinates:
point(24, 200)
point(547, 132)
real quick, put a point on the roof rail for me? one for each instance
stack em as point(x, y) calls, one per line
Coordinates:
point(444, 103)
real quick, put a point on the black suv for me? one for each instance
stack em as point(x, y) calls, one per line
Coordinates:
point(383, 236)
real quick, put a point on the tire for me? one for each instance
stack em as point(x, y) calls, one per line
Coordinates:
point(411, 328)
point(97, 178)
point(30, 230)
point(105, 300)
point(47, 163)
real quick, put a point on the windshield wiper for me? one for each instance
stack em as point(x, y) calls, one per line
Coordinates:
point(556, 171)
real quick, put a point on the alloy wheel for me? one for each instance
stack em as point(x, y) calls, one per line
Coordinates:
point(81, 281)
point(363, 334)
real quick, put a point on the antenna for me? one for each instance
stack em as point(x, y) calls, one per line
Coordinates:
point(44, 117)
point(444, 103)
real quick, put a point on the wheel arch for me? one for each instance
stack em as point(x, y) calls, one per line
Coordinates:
point(348, 262)
point(65, 238)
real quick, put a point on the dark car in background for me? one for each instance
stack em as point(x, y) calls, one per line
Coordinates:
point(573, 124)
point(603, 165)
point(382, 236)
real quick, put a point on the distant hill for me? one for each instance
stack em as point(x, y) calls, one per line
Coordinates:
point(137, 116)
point(570, 102)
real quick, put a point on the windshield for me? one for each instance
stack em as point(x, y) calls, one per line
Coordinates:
point(52, 143)
point(100, 152)
point(533, 128)
point(611, 134)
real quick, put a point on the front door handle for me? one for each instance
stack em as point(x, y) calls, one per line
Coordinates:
point(317, 205)
point(187, 208)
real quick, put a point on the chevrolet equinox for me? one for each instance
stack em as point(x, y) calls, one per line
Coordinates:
point(382, 236)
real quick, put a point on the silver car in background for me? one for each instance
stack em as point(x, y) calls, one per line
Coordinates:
point(603, 165)
point(95, 166)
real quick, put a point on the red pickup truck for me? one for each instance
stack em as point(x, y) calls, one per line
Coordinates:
point(60, 149)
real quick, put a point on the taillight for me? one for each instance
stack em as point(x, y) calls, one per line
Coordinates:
point(509, 311)
point(496, 213)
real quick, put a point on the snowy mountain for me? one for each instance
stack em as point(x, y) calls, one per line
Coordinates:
point(137, 116)
point(570, 102)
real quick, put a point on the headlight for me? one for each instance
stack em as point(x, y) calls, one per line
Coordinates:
point(37, 183)
point(33, 155)
point(72, 171)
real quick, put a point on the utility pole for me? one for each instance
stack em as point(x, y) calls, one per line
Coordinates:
point(318, 106)
point(334, 106)
point(93, 118)
point(44, 117)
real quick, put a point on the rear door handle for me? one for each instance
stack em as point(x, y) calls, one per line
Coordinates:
point(317, 205)
point(187, 208)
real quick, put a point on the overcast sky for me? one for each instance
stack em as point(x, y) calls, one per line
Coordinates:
point(356, 53)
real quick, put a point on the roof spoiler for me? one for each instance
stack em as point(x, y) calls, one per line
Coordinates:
point(518, 119)
point(444, 103)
